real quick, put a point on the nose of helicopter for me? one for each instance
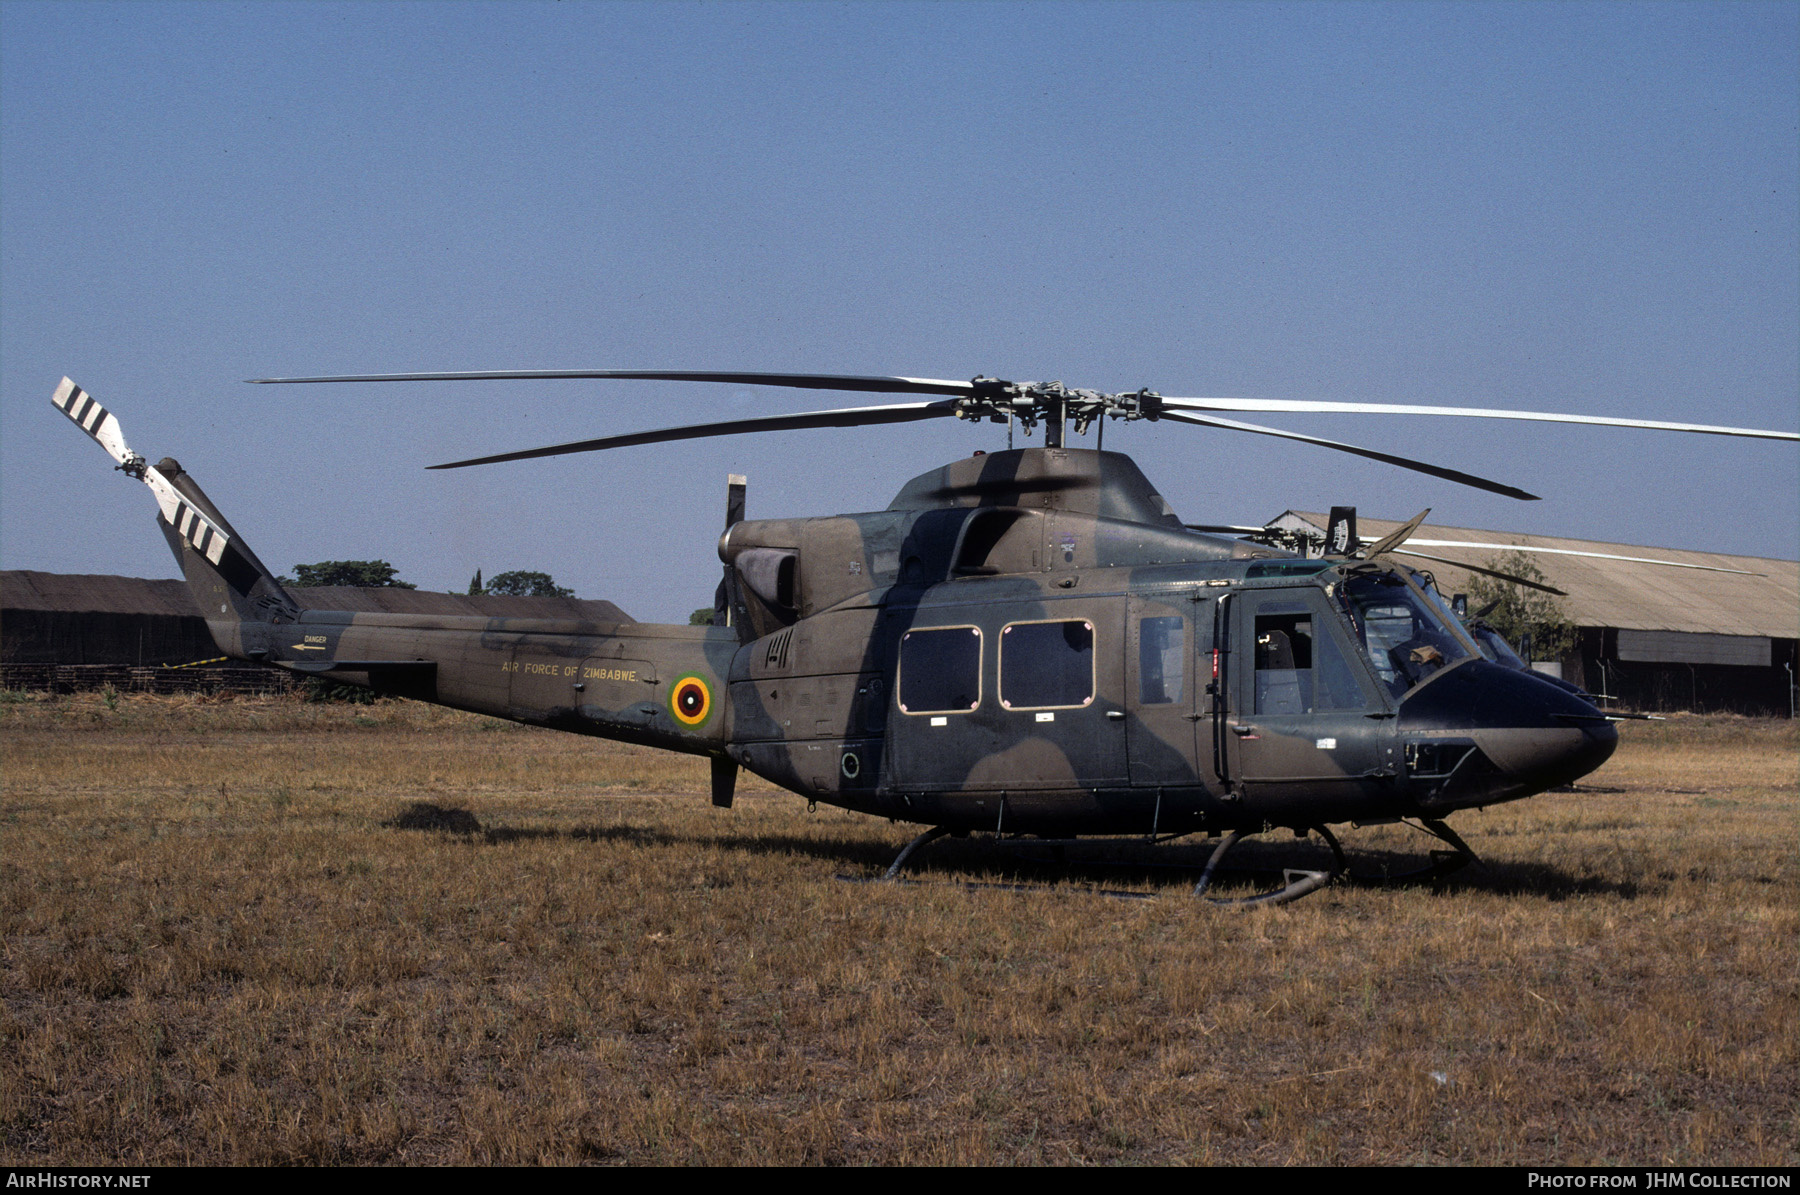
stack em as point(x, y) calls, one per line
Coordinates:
point(1526, 734)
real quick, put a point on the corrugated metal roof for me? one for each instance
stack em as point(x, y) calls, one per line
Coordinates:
point(22, 589)
point(87, 593)
point(1620, 593)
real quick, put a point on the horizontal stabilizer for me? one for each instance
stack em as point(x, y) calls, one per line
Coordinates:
point(355, 665)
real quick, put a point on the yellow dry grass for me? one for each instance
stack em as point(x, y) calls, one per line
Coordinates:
point(219, 948)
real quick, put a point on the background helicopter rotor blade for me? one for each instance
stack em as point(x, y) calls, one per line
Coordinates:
point(1394, 538)
point(1459, 543)
point(1301, 406)
point(1475, 568)
point(846, 417)
point(801, 381)
point(1468, 479)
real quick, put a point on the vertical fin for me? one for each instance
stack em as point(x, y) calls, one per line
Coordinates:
point(236, 593)
point(1340, 532)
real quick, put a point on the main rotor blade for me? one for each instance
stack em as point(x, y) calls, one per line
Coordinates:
point(847, 417)
point(1301, 406)
point(1469, 479)
point(801, 381)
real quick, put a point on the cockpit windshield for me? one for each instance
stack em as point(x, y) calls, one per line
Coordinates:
point(1492, 644)
point(1495, 647)
point(1406, 636)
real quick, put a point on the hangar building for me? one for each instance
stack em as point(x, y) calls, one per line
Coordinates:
point(1649, 637)
point(62, 630)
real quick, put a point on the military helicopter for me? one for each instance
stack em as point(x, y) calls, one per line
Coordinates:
point(1027, 643)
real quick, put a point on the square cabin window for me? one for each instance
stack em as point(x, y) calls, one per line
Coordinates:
point(1047, 665)
point(940, 670)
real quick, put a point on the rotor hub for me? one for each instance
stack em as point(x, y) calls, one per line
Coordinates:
point(1053, 403)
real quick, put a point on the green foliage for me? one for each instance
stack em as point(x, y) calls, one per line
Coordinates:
point(475, 585)
point(701, 618)
point(325, 690)
point(364, 574)
point(524, 584)
point(1519, 611)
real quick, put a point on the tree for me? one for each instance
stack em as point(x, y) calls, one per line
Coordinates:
point(1519, 611)
point(701, 618)
point(524, 584)
point(363, 574)
point(475, 585)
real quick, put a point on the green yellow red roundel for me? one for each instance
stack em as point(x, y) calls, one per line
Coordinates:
point(691, 701)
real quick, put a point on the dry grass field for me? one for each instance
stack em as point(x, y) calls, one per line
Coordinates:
point(225, 943)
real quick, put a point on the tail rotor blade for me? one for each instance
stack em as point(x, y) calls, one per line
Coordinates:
point(205, 536)
point(198, 530)
point(95, 420)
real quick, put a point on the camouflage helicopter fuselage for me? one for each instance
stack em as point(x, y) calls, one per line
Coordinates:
point(1027, 641)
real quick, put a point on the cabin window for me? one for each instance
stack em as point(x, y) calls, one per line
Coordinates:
point(1299, 670)
point(1047, 665)
point(940, 670)
point(1160, 660)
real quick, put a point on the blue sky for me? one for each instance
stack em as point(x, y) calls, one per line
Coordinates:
point(1574, 207)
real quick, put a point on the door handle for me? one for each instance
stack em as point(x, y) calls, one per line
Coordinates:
point(1242, 731)
point(1116, 715)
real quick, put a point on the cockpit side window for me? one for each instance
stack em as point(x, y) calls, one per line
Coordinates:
point(1299, 668)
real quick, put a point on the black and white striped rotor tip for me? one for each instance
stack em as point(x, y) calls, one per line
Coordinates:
point(103, 427)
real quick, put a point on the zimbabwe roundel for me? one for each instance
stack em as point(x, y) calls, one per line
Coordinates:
point(690, 701)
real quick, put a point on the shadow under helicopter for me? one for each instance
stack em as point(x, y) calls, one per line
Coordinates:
point(1092, 866)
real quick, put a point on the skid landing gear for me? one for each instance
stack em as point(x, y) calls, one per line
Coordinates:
point(931, 835)
point(1296, 882)
point(1442, 863)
